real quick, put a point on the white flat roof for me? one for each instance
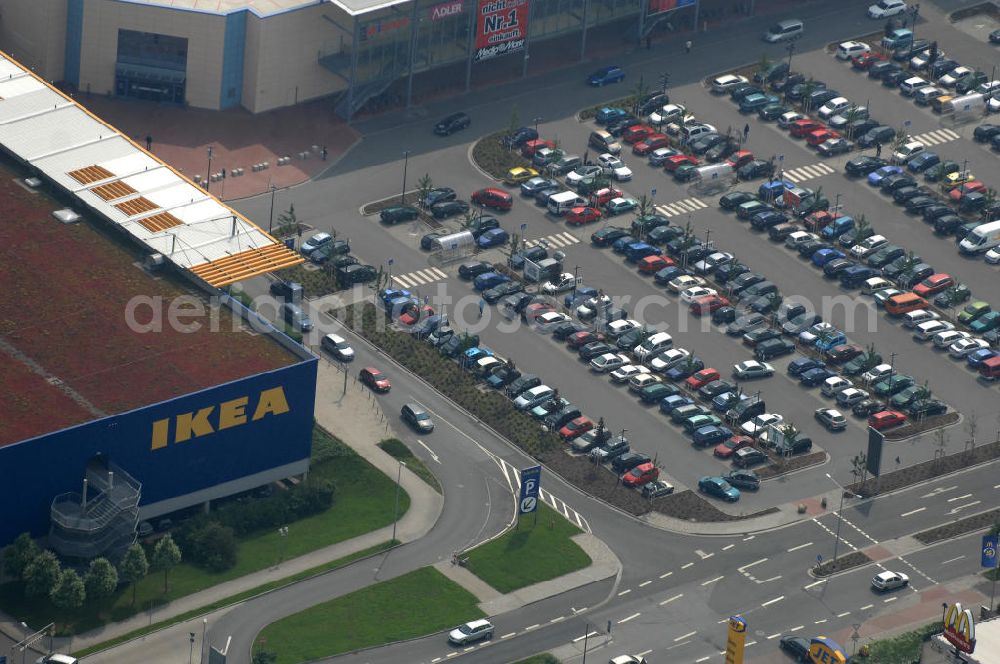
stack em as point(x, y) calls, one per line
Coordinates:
point(119, 180)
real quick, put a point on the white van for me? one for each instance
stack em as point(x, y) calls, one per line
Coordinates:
point(970, 104)
point(981, 239)
point(655, 344)
point(790, 28)
point(561, 203)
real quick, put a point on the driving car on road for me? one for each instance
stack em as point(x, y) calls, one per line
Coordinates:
point(471, 632)
point(884, 581)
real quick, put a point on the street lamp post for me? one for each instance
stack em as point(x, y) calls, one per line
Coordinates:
point(395, 514)
point(537, 120)
point(406, 160)
point(840, 515)
point(204, 630)
point(208, 177)
point(791, 49)
point(892, 371)
point(270, 218)
point(665, 81)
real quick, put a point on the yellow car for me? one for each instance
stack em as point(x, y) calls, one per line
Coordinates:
point(520, 174)
point(956, 179)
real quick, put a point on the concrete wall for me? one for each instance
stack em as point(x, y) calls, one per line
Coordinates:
point(34, 32)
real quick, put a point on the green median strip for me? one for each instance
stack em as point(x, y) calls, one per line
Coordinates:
point(239, 597)
point(544, 658)
point(398, 450)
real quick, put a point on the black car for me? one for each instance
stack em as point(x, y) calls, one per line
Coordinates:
point(864, 165)
point(663, 234)
point(902, 195)
point(534, 254)
point(398, 214)
point(427, 241)
point(920, 203)
point(704, 143)
point(452, 123)
point(542, 194)
point(867, 407)
point(745, 324)
point(721, 151)
point(618, 126)
point(938, 173)
point(796, 646)
point(860, 127)
point(772, 72)
point(356, 274)
point(772, 112)
point(724, 315)
point(948, 224)
point(729, 272)
point(449, 209)
point(746, 280)
point(885, 255)
point(941, 66)
point(560, 417)
point(764, 220)
point(715, 388)
point(833, 269)
point(916, 47)
point(799, 445)
point(739, 92)
point(522, 383)
point(882, 134)
point(932, 213)
point(438, 195)
point(927, 408)
point(891, 183)
point(787, 82)
point(800, 323)
point(880, 69)
point(492, 295)
point(593, 349)
point(757, 168)
point(608, 235)
point(810, 247)
point(892, 79)
point(652, 102)
point(817, 98)
point(749, 456)
point(567, 329)
point(799, 90)
point(734, 199)
point(473, 269)
point(518, 138)
point(743, 479)
point(799, 366)
point(628, 461)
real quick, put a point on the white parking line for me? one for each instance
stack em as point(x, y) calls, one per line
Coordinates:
point(702, 659)
point(718, 578)
point(559, 619)
point(774, 636)
point(746, 567)
point(728, 547)
point(820, 622)
point(644, 653)
point(800, 546)
point(531, 627)
point(625, 592)
point(890, 599)
point(585, 636)
point(686, 636)
point(814, 583)
point(912, 512)
point(747, 539)
point(968, 495)
point(773, 601)
point(686, 565)
point(951, 560)
point(663, 576)
point(631, 617)
point(668, 601)
point(644, 584)
point(507, 636)
point(795, 629)
point(845, 613)
point(867, 606)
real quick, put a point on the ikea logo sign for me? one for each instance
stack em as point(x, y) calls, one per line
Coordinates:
point(218, 417)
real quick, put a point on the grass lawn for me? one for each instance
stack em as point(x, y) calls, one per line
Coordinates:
point(544, 658)
point(397, 449)
point(364, 501)
point(421, 602)
point(530, 553)
point(902, 649)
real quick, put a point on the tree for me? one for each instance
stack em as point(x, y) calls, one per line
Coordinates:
point(908, 263)
point(41, 574)
point(763, 65)
point(101, 579)
point(871, 358)
point(902, 136)
point(639, 93)
point(862, 229)
point(134, 567)
point(646, 206)
point(859, 469)
point(288, 222)
point(852, 114)
point(515, 120)
point(513, 246)
point(17, 556)
point(69, 592)
point(807, 89)
point(424, 186)
point(990, 197)
point(166, 555)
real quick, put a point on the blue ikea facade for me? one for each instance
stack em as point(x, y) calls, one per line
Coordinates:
point(185, 451)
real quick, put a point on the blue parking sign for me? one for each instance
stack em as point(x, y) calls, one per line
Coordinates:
point(530, 486)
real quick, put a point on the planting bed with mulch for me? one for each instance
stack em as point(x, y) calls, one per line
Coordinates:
point(494, 158)
point(315, 283)
point(927, 470)
point(410, 198)
point(927, 424)
point(591, 112)
point(851, 560)
point(780, 465)
point(988, 8)
point(67, 288)
point(960, 527)
point(690, 506)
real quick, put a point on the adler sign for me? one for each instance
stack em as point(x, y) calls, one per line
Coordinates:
point(960, 628)
point(445, 9)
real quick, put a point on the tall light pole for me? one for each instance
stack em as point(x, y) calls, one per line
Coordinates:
point(395, 514)
point(204, 630)
point(406, 161)
point(208, 178)
point(791, 49)
point(840, 514)
point(270, 218)
point(665, 81)
point(537, 120)
point(892, 371)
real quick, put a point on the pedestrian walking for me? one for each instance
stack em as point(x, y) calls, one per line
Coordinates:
point(649, 42)
point(149, 143)
point(482, 305)
point(324, 153)
point(746, 131)
point(878, 150)
point(687, 46)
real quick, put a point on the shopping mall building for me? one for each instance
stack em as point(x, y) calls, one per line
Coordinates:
point(265, 54)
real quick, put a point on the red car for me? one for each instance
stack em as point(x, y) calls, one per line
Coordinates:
point(581, 339)
point(727, 449)
point(579, 216)
point(637, 133)
point(866, 60)
point(413, 314)
point(536, 309)
point(531, 147)
point(814, 138)
point(739, 158)
point(600, 197)
point(653, 264)
point(934, 284)
point(708, 304)
point(843, 353)
point(817, 221)
point(886, 419)
point(958, 192)
point(674, 162)
point(374, 379)
point(491, 197)
point(802, 128)
point(644, 473)
point(577, 427)
point(702, 378)
point(650, 143)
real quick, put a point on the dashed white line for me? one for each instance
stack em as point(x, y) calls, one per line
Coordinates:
point(631, 617)
point(436, 659)
point(686, 636)
point(668, 601)
point(728, 547)
point(951, 560)
point(890, 599)
point(773, 601)
point(912, 512)
point(530, 627)
point(800, 546)
point(820, 622)
point(749, 643)
point(968, 495)
point(746, 567)
point(451, 654)
point(815, 583)
point(867, 606)
point(686, 565)
point(774, 636)
point(938, 490)
point(559, 619)
point(845, 613)
point(625, 592)
point(718, 578)
point(996, 486)
point(663, 576)
point(644, 584)
point(795, 629)
point(953, 510)
point(644, 653)
point(702, 659)
point(507, 636)
point(469, 649)
point(585, 636)
point(747, 539)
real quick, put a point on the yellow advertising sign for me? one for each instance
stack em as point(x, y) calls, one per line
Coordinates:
point(736, 640)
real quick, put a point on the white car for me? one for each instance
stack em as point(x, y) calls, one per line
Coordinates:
point(689, 295)
point(876, 374)
point(889, 580)
point(993, 256)
point(338, 347)
point(614, 167)
point(727, 82)
point(582, 173)
point(852, 395)
point(759, 424)
point(550, 320)
point(875, 284)
point(669, 359)
point(608, 362)
point(809, 337)
point(471, 632)
point(639, 381)
point(627, 659)
point(684, 282)
point(712, 261)
point(834, 106)
point(886, 8)
point(786, 119)
point(963, 347)
point(589, 308)
point(907, 151)
point(752, 369)
point(919, 61)
point(918, 316)
point(951, 78)
point(993, 104)
point(848, 49)
point(616, 328)
point(869, 246)
point(925, 331)
point(533, 397)
point(948, 337)
point(564, 282)
point(669, 113)
point(833, 385)
point(627, 372)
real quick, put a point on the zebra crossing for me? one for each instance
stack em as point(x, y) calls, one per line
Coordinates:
point(803, 173)
point(419, 277)
point(936, 137)
point(678, 208)
point(557, 240)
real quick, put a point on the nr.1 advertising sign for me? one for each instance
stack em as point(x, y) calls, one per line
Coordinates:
point(501, 27)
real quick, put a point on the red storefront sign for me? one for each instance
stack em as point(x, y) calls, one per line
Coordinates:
point(501, 27)
point(446, 9)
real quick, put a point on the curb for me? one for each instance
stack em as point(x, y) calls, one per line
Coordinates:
point(472, 147)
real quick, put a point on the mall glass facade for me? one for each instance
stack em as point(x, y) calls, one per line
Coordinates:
point(151, 66)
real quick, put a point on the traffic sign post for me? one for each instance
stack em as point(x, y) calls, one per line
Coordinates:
point(527, 501)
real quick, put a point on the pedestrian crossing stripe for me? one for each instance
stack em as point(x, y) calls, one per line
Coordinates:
point(685, 206)
point(803, 173)
point(558, 240)
point(937, 136)
point(411, 279)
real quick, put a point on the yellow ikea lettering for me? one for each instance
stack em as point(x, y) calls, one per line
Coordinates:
point(204, 421)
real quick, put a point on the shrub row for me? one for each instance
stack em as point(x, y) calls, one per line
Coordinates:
point(494, 158)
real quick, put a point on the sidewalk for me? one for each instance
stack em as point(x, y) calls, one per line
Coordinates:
point(786, 515)
point(353, 419)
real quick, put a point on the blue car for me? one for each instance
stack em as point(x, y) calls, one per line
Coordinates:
point(800, 365)
point(674, 401)
point(825, 255)
point(772, 189)
point(837, 227)
point(816, 376)
point(581, 294)
point(612, 74)
point(609, 114)
point(494, 237)
point(683, 370)
point(856, 275)
point(473, 355)
point(489, 280)
point(875, 177)
point(923, 161)
point(976, 358)
point(755, 102)
point(620, 245)
point(668, 274)
point(710, 435)
point(636, 251)
point(718, 487)
point(836, 338)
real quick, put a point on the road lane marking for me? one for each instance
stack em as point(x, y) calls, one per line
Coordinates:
point(644, 584)
point(703, 555)
point(703, 659)
point(718, 578)
point(954, 510)
point(939, 490)
point(585, 636)
point(686, 565)
point(747, 539)
point(772, 601)
point(436, 659)
point(625, 592)
point(773, 578)
point(644, 653)
point(845, 613)
point(800, 546)
point(507, 636)
point(686, 636)
point(774, 636)
point(795, 629)
point(996, 486)
point(530, 627)
point(728, 547)
point(912, 512)
point(451, 654)
point(429, 451)
point(867, 606)
point(951, 560)
point(815, 583)
point(746, 567)
point(968, 495)
point(890, 599)
point(663, 576)
point(559, 619)
point(820, 622)
point(668, 601)
point(470, 648)
point(631, 617)
point(749, 643)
